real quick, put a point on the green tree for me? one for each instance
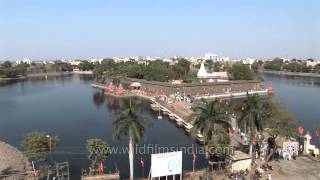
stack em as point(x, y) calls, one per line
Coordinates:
point(86, 66)
point(129, 123)
point(256, 111)
point(281, 122)
point(255, 67)
point(219, 146)
point(10, 72)
point(62, 66)
point(98, 151)
point(159, 71)
point(211, 117)
point(22, 68)
point(275, 64)
point(316, 68)
point(136, 71)
point(181, 68)
point(7, 64)
point(240, 72)
point(38, 144)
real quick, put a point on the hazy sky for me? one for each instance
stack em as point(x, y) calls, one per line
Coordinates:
point(41, 29)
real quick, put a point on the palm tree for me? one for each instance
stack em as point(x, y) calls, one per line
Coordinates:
point(255, 111)
point(211, 119)
point(129, 123)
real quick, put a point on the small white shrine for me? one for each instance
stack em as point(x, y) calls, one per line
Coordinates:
point(214, 76)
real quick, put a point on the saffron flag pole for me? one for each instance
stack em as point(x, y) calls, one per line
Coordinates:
point(142, 167)
point(101, 168)
point(194, 158)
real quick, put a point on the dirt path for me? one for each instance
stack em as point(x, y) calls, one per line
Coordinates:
point(12, 162)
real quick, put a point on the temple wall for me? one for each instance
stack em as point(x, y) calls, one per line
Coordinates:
point(198, 88)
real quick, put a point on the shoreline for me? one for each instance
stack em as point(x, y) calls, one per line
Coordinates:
point(291, 73)
point(36, 75)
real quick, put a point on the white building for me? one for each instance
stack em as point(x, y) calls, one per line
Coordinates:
point(73, 62)
point(211, 56)
point(203, 74)
point(224, 59)
point(96, 60)
point(312, 63)
point(26, 60)
point(249, 61)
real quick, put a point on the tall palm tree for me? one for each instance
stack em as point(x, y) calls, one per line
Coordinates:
point(256, 109)
point(129, 123)
point(211, 118)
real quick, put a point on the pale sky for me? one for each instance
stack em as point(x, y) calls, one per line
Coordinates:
point(39, 29)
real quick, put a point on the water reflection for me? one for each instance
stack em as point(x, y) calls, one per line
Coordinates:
point(98, 97)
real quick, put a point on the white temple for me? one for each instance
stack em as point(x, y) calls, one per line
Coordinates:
point(203, 74)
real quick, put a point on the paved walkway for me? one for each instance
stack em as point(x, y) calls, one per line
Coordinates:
point(12, 163)
point(304, 168)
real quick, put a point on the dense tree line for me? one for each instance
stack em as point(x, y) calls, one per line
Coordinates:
point(241, 72)
point(9, 70)
point(293, 66)
point(275, 65)
point(154, 70)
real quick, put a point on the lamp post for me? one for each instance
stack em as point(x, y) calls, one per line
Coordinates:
point(49, 137)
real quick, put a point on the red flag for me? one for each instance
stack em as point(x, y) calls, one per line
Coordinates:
point(318, 132)
point(254, 142)
point(37, 173)
point(300, 130)
point(142, 163)
point(270, 89)
point(101, 168)
point(194, 157)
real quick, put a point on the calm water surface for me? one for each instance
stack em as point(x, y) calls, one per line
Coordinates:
point(301, 95)
point(70, 108)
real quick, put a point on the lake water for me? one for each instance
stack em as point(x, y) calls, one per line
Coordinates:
point(70, 108)
point(301, 96)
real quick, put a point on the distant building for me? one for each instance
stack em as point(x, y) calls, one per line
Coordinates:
point(224, 59)
point(249, 61)
point(312, 63)
point(27, 61)
point(211, 56)
point(74, 62)
point(96, 60)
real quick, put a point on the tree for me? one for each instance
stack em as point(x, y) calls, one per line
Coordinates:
point(316, 68)
point(275, 64)
point(37, 145)
point(255, 67)
point(7, 64)
point(21, 68)
point(211, 118)
point(159, 71)
point(98, 151)
point(297, 67)
point(280, 122)
point(129, 123)
point(136, 71)
point(62, 66)
point(86, 66)
point(240, 72)
point(256, 110)
point(218, 146)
